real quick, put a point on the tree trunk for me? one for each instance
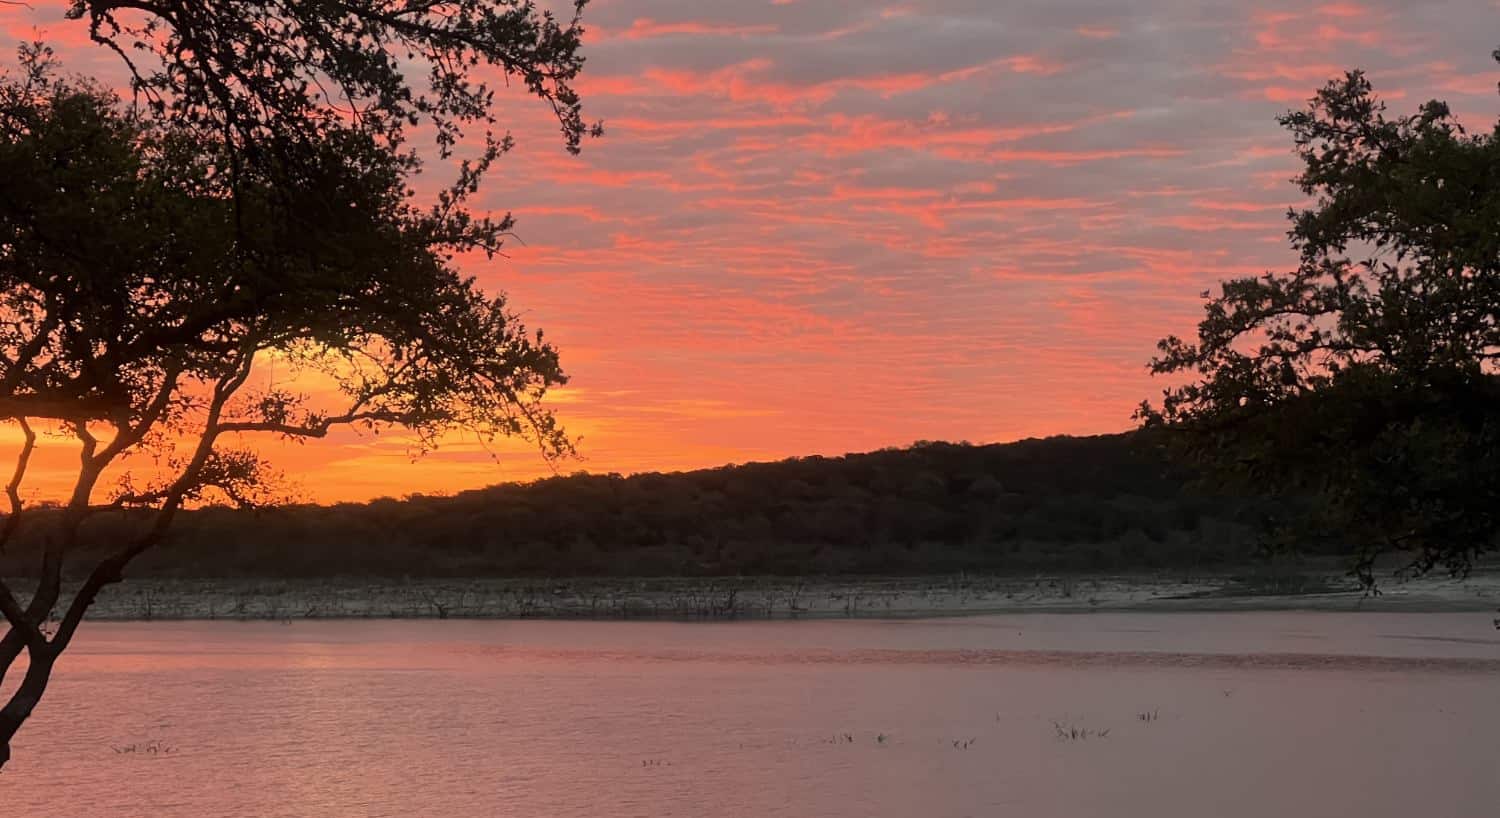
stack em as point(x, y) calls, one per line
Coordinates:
point(25, 699)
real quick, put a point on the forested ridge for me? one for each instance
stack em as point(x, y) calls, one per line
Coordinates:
point(1108, 503)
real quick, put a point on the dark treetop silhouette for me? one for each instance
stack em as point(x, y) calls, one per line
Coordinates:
point(1111, 503)
point(140, 282)
point(276, 74)
point(1365, 378)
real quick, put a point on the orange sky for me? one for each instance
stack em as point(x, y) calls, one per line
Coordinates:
point(829, 227)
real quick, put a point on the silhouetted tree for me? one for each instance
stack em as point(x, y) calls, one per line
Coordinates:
point(1360, 389)
point(278, 73)
point(140, 286)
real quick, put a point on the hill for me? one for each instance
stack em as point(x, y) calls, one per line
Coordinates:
point(1108, 503)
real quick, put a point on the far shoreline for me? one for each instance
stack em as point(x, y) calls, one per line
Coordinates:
point(774, 598)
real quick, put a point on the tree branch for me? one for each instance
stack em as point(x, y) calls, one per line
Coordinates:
point(317, 428)
point(22, 632)
point(110, 569)
point(13, 488)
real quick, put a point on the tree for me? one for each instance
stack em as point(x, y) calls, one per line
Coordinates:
point(1361, 389)
point(141, 283)
point(270, 73)
point(270, 79)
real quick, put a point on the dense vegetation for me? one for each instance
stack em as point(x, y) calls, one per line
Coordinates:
point(1088, 504)
point(1369, 376)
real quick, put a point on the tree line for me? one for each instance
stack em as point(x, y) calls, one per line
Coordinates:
point(1111, 503)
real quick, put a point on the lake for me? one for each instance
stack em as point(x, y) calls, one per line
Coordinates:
point(1104, 714)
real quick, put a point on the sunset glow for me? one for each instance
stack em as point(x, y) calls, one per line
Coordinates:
point(831, 227)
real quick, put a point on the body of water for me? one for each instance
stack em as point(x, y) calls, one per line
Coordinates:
point(1108, 714)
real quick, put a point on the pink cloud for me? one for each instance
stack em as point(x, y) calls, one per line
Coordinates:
point(829, 227)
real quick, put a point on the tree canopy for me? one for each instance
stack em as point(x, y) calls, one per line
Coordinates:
point(1361, 387)
point(141, 284)
point(278, 74)
point(1103, 504)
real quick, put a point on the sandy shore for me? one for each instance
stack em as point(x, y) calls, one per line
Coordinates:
point(726, 598)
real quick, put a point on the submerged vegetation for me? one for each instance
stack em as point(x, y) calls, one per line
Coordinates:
point(1072, 732)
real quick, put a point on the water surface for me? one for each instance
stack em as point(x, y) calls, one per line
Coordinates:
point(1252, 714)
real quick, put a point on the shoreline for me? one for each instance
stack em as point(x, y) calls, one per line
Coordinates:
point(729, 598)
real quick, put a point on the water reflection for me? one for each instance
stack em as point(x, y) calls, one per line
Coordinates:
point(1255, 714)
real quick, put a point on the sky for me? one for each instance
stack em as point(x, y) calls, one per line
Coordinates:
point(824, 227)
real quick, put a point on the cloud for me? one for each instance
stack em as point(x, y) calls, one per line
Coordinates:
point(823, 227)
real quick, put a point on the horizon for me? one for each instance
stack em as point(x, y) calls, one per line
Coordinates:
point(733, 464)
point(560, 474)
point(814, 231)
point(936, 407)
